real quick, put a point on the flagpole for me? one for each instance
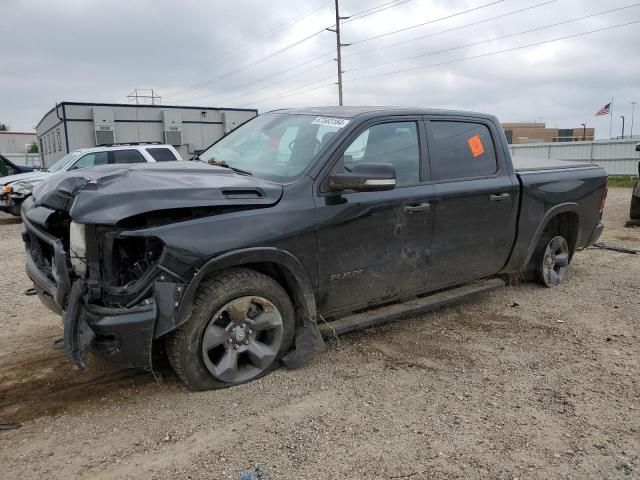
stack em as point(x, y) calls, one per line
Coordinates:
point(611, 120)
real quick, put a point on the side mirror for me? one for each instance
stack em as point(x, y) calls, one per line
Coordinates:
point(365, 177)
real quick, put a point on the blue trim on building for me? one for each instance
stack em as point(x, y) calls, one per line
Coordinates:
point(159, 106)
point(144, 121)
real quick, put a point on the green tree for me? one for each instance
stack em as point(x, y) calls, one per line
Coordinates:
point(4, 127)
point(33, 148)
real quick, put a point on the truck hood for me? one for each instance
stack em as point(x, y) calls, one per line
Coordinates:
point(109, 194)
point(33, 177)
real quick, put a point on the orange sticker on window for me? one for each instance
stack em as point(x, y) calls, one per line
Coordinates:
point(475, 144)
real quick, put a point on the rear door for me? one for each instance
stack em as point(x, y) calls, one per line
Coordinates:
point(375, 245)
point(475, 205)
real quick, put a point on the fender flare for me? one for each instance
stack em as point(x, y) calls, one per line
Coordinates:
point(308, 338)
point(237, 258)
point(569, 207)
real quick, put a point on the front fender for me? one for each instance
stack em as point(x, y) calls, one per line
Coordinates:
point(308, 338)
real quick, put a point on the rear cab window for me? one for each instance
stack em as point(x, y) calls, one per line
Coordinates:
point(162, 154)
point(461, 149)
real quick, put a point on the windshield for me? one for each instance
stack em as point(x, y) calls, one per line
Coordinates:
point(276, 145)
point(63, 162)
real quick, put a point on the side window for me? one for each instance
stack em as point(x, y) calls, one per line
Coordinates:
point(461, 150)
point(162, 154)
point(91, 160)
point(395, 143)
point(127, 156)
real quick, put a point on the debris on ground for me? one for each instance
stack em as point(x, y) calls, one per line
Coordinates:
point(9, 426)
point(615, 248)
point(254, 473)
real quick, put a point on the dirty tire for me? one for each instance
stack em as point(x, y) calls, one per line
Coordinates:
point(550, 259)
point(270, 312)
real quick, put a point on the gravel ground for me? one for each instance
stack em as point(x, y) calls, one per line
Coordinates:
point(524, 382)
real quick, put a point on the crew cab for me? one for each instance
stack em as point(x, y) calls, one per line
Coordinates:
point(344, 216)
point(15, 188)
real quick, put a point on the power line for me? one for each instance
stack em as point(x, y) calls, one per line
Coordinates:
point(272, 32)
point(491, 53)
point(256, 62)
point(427, 23)
point(226, 100)
point(451, 29)
point(262, 37)
point(295, 92)
point(251, 64)
point(378, 9)
point(494, 39)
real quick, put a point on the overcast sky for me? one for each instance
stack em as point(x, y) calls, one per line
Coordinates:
point(204, 53)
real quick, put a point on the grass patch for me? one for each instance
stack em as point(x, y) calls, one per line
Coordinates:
point(623, 181)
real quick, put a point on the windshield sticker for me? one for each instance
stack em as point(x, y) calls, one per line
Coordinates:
point(330, 122)
point(475, 144)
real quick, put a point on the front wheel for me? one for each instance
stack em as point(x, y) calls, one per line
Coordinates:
point(242, 322)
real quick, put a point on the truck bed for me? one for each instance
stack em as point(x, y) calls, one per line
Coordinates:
point(524, 164)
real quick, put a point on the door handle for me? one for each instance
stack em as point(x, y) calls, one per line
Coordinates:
point(499, 197)
point(417, 207)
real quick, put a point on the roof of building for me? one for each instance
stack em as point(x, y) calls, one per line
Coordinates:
point(16, 133)
point(134, 105)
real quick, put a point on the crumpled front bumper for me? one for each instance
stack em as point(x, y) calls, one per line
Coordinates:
point(124, 336)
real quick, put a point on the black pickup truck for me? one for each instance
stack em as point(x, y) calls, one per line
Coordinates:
point(299, 224)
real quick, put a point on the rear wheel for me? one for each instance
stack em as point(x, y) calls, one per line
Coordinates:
point(242, 322)
point(551, 259)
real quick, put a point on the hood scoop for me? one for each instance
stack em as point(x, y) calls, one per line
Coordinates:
point(242, 194)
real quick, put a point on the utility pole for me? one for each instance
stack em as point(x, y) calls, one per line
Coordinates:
point(633, 114)
point(584, 132)
point(339, 48)
point(622, 117)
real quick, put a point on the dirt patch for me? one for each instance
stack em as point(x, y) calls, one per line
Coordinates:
point(524, 382)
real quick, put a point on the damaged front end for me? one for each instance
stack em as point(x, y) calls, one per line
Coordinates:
point(114, 294)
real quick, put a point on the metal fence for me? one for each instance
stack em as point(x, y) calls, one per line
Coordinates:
point(31, 159)
point(617, 157)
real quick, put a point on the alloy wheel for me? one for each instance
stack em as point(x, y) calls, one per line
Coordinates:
point(242, 339)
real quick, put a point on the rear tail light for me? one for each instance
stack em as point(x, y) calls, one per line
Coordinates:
point(603, 198)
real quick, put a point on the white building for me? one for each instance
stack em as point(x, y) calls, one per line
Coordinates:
point(72, 125)
point(15, 142)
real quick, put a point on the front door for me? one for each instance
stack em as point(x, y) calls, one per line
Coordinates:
point(475, 205)
point(374, 246)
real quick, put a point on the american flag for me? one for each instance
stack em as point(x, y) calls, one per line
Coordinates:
point(604, 110)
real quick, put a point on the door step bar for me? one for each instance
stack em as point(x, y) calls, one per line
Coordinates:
point(382, 315)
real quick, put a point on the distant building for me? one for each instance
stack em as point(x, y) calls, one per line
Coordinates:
point(539, 133)
point(72, 125)
point(15, 142)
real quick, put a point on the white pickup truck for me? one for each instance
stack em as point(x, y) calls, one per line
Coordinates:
point(15, 188)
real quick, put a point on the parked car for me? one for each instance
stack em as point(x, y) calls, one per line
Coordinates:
point(298, 215)
point(7, 167)
point(635, 197)
point(16, 187)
